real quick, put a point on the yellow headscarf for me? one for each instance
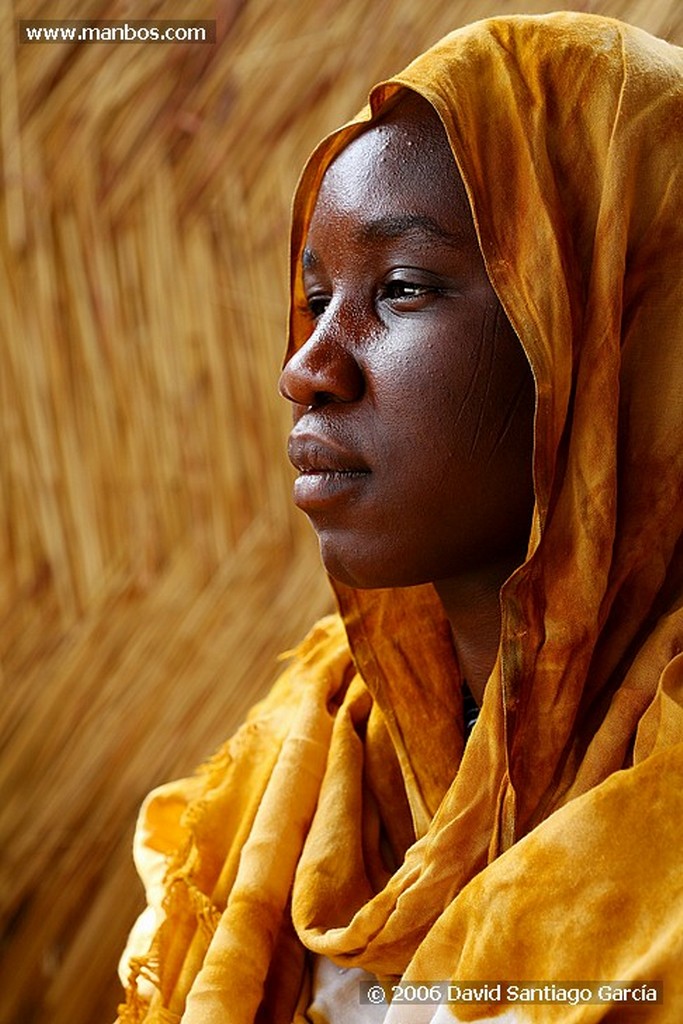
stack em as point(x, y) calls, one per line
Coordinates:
point(548, 847)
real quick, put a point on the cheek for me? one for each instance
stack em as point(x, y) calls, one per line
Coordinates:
point(433, 383)
point(456, 403)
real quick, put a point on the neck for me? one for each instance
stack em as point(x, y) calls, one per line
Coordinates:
point(472, 604)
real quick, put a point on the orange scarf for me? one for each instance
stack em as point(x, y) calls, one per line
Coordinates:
point(550, 846)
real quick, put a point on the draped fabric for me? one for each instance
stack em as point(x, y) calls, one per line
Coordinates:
point(349, 818)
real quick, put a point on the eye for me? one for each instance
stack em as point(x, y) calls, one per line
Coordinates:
point(409, 295)
point(316, 305)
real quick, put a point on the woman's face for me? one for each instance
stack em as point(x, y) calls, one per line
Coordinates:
point(413, 400)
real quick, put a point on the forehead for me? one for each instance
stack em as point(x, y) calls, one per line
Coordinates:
point(397, 176)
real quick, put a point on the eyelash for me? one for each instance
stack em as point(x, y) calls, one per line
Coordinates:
point(311, 306)
point(393, 291)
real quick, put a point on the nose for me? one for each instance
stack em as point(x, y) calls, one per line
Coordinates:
point(323, 370)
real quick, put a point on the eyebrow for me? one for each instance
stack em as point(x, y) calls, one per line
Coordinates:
point(399, 226)
point(308, 259)
point(411, 224)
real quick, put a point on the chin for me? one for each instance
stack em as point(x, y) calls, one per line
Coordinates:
point(361, 569)
point(341, 572)
point(348, 567)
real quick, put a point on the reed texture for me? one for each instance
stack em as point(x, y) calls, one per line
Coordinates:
point(151, 564)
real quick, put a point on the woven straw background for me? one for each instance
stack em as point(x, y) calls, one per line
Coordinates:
point(151, 567)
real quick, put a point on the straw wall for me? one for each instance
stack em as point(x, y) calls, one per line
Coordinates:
point(151, 565)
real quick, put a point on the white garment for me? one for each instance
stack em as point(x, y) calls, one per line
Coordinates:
point(443, 1014)
point(337, 995)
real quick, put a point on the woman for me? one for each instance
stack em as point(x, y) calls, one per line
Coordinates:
point(502, 222)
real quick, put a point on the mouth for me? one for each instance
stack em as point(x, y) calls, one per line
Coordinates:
point(328, 474)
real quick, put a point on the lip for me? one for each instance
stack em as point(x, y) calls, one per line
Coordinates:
point(328, 473)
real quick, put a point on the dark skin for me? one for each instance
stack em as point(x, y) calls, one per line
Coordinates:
point(413, 399)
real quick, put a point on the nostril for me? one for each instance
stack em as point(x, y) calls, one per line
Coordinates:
point(306, 399)
point(282, 388)
point(323, 370)
point(294, 384)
